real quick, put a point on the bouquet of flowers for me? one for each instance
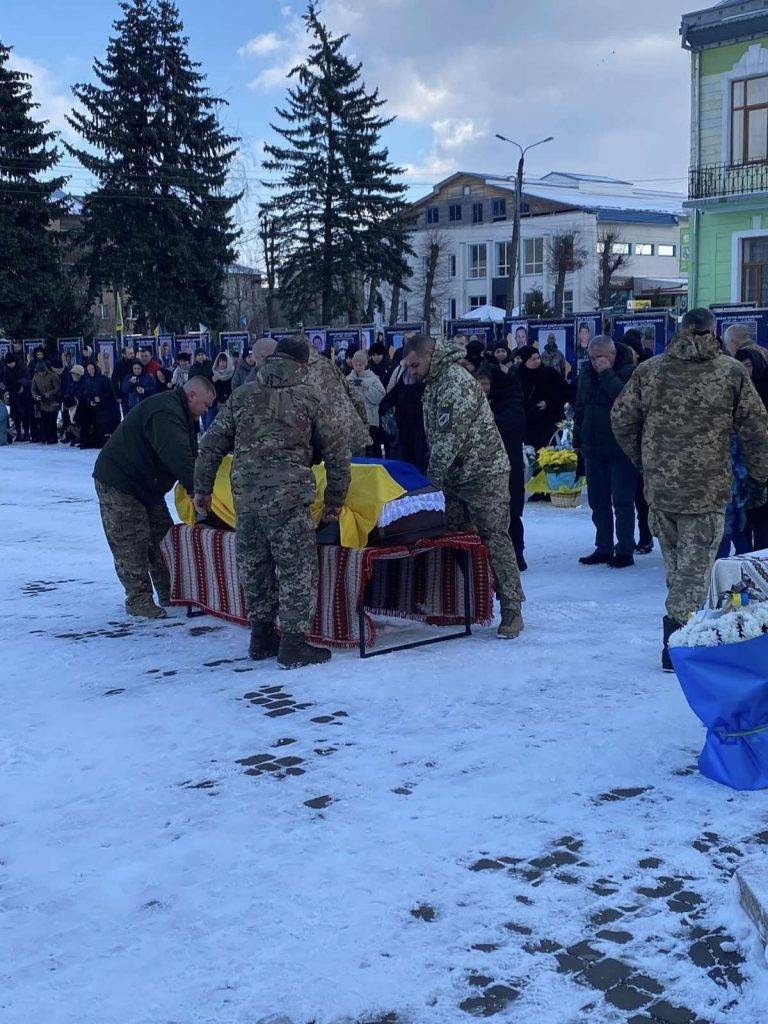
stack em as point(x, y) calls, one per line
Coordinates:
point(721, 661)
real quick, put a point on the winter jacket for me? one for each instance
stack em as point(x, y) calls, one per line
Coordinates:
point(222, 378)
point(154, 446)
point(180, 377)
point(153, 366)
point(383, 370)
point(3, 423)
point(465, 447)
point(105, 410)
point(508, 408)
point(596, 393)
point(145, 381)
point(329, 382)
point(405, 398)
point(46, 390)
point(16, 375)
point(243, 374)
point(273, 426)
point(675, 418)
point(204, 369)
point(542, 385)
point(123, 368)
point(372, 391)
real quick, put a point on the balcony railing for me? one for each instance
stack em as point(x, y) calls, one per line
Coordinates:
point(712, 180)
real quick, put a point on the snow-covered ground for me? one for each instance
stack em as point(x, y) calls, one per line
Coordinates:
point(488, 806)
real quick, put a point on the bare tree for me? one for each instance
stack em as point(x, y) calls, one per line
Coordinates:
point(270, 239)
point(565, 254)
point(610, 258)
point(431, 276)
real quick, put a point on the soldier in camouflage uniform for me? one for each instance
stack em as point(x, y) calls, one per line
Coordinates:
point(468, 462)
point(345, 405)
point(675, 419)
point(273, 425)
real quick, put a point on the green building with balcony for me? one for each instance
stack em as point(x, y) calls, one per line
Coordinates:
point(727, 239)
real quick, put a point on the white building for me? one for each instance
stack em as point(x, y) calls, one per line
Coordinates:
point(472, 216)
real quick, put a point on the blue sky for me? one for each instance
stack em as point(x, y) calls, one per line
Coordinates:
point(611, 84)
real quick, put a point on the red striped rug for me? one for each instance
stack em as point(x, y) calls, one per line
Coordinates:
point(420, 581)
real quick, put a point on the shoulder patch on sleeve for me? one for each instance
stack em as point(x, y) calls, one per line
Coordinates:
point(444, 417)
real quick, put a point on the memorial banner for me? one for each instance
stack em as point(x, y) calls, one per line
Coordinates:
point(655, 329)
point(755, 320)
point(234, 341)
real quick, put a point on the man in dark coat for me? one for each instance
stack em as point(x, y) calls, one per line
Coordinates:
point(123, 368)
point(611, 477)
point(154, 446)
point(18, 383)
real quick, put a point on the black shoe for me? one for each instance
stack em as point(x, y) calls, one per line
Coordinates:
point(264, 643)
point(670, 625)
point(522, 565)
point(644, 547)
point(295, 652)
point(596, 558)
point(621, 561)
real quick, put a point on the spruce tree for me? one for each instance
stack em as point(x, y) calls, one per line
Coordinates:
point(28, 205)
point(337, 200)
point(158, 223)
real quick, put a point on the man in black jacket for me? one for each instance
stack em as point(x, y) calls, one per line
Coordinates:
point(123, 368)
point(154, 446)
point(611, 477)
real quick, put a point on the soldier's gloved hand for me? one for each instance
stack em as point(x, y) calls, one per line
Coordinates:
point(331, 514)
point(202, 504)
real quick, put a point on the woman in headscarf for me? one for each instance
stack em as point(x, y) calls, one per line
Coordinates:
point(223, 370)
point(545, 393)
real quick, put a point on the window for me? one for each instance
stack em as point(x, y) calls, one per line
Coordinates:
point(533, 256)
point(600, 248)
point(567, 301)
point(642, 249)
point(477, 213)
point(453, 265)
point(477, 261)
point(666, 250)
point(754, 270)
point(503, 258)
point(433, 215)
point(620, 248)
point(466, 190)
point(453, 309)
point(454, 211)
point(749, 120)
point(499, 209)
point(476, 300)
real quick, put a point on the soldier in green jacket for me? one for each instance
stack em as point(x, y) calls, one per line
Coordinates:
point(675, 419)
point(468, 462)
point(273, 426)
point(153, 447)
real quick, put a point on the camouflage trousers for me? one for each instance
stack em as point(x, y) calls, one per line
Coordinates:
point(134, 533)
point(487, 510)
point(277, 566)
point(689, 546)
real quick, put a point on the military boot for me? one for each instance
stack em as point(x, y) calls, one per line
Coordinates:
point(264, 644)
point(295, 652)
point(511, 625)
point(670, 626)
point(144, 607)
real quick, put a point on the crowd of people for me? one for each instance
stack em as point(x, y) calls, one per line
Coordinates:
point(674, 447)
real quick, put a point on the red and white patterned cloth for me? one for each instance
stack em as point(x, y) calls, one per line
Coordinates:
point(429, 589)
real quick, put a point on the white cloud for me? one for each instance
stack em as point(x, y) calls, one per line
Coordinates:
point(55, 103)
point(268, 42)
point(451, 133)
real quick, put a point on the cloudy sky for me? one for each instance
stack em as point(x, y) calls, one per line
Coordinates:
point(609, 81)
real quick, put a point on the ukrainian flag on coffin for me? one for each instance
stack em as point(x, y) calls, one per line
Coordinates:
point(380, 491)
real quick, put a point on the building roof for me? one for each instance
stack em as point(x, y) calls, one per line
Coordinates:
point(555, 176)
point(72, 204)
point(240, 268)
point(620, 198)
point(725, 22)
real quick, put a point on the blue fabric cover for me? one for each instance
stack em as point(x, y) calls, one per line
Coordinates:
point(727, 687)
point(409, 478)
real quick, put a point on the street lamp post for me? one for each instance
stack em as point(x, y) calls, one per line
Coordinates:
point(516, 261)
